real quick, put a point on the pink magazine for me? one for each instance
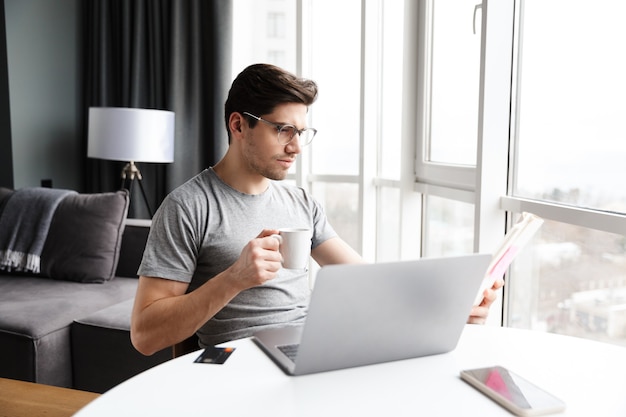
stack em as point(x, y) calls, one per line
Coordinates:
point(513, 243)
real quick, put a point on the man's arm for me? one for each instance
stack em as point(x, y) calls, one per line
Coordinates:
point(163, 314)
point(335, 251)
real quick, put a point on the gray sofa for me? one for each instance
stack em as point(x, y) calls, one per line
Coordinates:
point(69, 325)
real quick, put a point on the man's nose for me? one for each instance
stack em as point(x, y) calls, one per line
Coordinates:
point(294, 145)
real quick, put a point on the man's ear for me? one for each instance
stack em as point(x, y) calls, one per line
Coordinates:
point(234, 123)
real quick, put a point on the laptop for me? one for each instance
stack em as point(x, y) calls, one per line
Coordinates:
point(372, 313)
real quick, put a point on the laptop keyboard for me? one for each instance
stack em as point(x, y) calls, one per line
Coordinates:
point(291, 351)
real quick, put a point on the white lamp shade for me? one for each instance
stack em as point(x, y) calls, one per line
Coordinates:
point(127, 134)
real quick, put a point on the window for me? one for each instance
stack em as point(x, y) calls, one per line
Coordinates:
point(571, 280)
point(276, 25)
point(568, 166)
point(454, 82)
point(336, 114)
point(570, 134)
point(440, 121)
point(355, 87)
point(277, 57)
point(449, 45)
point(449, 227)
point(270, 40)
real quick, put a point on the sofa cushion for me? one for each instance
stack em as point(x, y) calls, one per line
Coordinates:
point(35, 319)
point(85, 236)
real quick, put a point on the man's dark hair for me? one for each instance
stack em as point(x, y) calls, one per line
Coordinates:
point(259, 88)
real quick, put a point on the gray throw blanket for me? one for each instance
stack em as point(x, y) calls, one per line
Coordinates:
point(24, 224)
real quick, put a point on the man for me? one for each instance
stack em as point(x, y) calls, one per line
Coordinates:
point(211, 266)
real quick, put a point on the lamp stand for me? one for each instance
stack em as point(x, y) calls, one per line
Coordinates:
point(130, 172)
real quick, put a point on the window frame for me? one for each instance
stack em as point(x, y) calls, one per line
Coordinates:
point(448, 176)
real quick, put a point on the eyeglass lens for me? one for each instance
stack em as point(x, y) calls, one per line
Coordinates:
point(287, 133)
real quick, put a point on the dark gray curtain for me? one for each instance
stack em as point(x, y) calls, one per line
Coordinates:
point(160, 54)
point(6, 153)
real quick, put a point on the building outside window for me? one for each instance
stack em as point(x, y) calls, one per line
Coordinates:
point(276, 25)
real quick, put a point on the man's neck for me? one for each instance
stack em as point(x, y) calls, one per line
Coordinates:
point(240, 179)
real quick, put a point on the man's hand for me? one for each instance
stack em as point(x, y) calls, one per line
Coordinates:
point(479, 313)
point(259, 261)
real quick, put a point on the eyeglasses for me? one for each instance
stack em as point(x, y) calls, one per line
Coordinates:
point(286, 133)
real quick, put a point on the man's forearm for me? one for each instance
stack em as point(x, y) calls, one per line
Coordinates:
point(168, 320)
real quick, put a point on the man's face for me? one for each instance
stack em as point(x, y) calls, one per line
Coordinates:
point(261, 150)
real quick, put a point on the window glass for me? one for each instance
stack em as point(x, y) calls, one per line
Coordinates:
point(570, 280)
point(388, 225)
point(336, 67)
point(276, 25)
point(449, 228)
point(455, 75)
point(571, 136)
point(264, 31)
point(341, 203)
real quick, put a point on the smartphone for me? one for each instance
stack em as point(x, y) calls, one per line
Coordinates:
point(513, 392)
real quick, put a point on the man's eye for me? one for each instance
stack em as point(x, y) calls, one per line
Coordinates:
point(288, 130)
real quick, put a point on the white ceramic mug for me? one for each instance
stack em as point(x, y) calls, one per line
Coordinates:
point(295, 247)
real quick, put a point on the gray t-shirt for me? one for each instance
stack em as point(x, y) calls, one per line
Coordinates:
point(200, 230)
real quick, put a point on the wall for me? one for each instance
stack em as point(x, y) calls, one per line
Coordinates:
point(44, 88)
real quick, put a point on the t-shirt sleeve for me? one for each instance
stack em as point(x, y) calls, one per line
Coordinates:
point(173, 244)
point(322, 229)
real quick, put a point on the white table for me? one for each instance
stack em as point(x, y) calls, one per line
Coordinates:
point(589, 376)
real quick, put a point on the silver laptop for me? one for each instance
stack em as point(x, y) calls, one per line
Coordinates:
point(372, 313)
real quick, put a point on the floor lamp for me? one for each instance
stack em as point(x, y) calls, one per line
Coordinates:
point(131, 135)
